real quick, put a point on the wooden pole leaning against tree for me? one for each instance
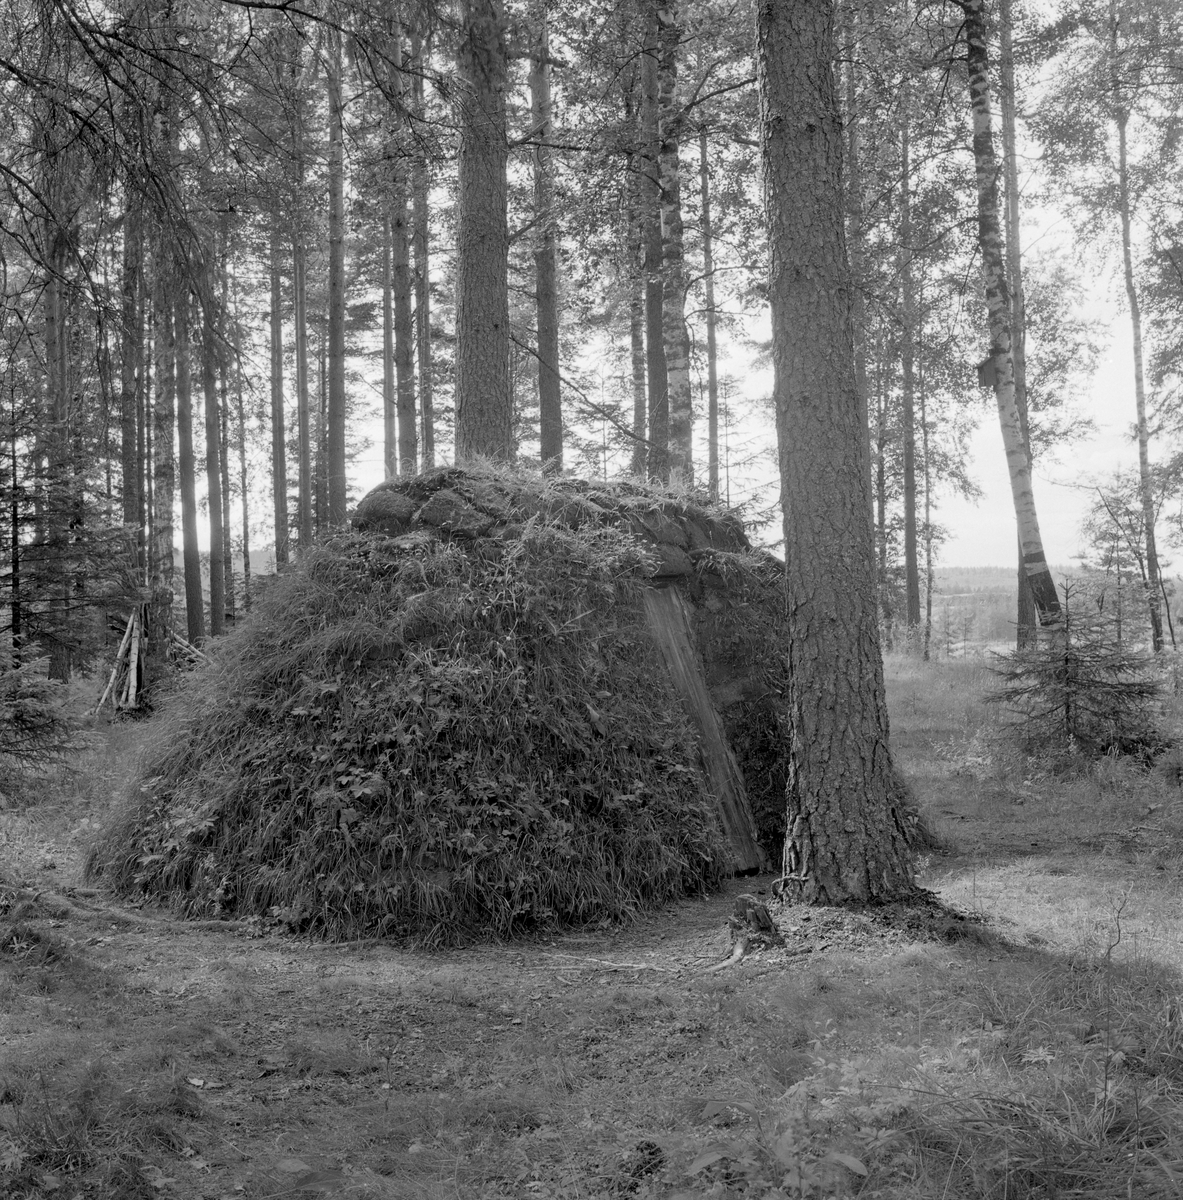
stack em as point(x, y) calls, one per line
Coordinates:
point(848, 831)
point(1001, 361)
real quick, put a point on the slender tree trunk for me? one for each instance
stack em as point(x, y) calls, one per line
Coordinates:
point(16, 628)
point(708, 271)
point(243, 480)
point(303, 400)
point(322, 454)
point(484, 402)
point(213, 466)
point(404, 325)
point(1026, 622)
point(634, 235)
point(163, 462)
point(847, 831)
point(58, 466)
point(421, 244)
point(279, 470)
point(854, 219)
point(194, 602)
point(1145, 479)
point(886, 607)
point(224, 409)
point(389, 405)
point(335, 434)
point(673, 304)
point(550, 402)
point(131, 360)
point(636, 332)
point(908, 369)
point(929, 573)
point(655, 350)
point(1043, 587)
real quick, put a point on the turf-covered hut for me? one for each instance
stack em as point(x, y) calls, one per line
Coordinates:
point(482, 711)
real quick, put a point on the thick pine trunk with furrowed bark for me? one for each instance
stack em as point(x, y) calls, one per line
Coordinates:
point(847, 835)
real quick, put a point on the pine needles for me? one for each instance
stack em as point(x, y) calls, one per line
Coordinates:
point(428, 739)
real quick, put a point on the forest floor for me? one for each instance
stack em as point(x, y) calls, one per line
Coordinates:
point(1032, 1049)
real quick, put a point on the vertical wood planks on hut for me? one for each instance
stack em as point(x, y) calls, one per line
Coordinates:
point(669, 622)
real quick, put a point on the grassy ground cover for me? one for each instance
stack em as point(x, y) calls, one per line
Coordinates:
point(1035, 1050)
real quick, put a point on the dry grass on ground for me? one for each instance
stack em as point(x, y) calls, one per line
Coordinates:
point(1034, 1051)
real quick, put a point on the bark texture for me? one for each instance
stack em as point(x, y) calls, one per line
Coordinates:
point(194, 603)
point(1043, 588)
point(847, 832)
point(1121, 119)
point(335, 487)
point(655, 363)
point(673, 256)
point(1026, 621)
point(484, 401)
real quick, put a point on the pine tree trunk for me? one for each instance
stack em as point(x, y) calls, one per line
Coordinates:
point(163, 462)
point(708, 271)
point(279, 471)
point(1026, 622)
point(673, 295)
point(336, 497)
point(635, 243)
point(389, 405)
point(847, 831)
point(484, 403)
point(58, 467)
point(224, 409)
point(303, 400)
point(1043, 587)
point(131, 360)
point(404, 325)
point(421, 245)
point(550, 402)
point(243, 479)
point(655, 363)
point(636, 332)
point(213, 467)
point(908, 371)
point(191, 556)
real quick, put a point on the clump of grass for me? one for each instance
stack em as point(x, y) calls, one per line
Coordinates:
point(427, 739)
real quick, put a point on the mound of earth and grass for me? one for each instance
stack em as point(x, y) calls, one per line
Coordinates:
point(451, 723)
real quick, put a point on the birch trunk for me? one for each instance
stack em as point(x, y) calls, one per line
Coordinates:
point(1025, 618)
point(1043, 588)
point(847, 832)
